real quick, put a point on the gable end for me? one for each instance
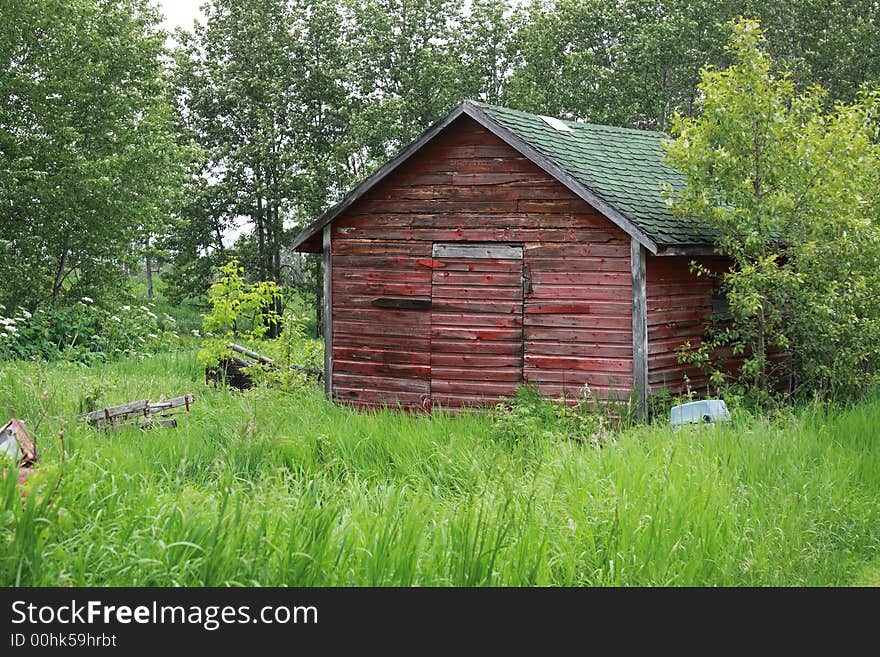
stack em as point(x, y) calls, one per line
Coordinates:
point(310, 238)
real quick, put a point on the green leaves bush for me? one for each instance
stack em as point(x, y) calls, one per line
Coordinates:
point(530, 418)
point(85, 332)
point(246, 313)
point(793, 191)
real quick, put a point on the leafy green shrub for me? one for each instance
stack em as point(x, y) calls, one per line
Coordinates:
point(792, 191)
point(530, 418)
point(244, 313)
point(85, 332)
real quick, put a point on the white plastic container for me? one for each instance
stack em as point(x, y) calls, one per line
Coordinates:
point(706, 411)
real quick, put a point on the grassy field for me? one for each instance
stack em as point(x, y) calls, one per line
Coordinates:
point(277, 489)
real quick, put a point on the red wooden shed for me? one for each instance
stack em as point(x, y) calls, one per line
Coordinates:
point(502, 248)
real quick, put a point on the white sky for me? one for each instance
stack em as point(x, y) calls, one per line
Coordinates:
point(179, 13)
point(182, 13)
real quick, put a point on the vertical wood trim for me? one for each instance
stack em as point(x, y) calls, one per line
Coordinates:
point(327, 315)
point(526, 289)
point(639, 328)
point(428, 402)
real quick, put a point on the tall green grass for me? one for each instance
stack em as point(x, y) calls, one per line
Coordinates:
point(270, 488)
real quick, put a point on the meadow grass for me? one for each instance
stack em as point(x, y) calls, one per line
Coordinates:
point(269, 488)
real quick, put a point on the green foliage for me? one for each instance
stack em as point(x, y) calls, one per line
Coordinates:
point(637, 62)
point(793, 192)
point(239, 310)
point(530, 418)
point(85, 333)
point(259, 90)
point(244, 313)
point(407, 66)
point(279, 106)
point(832, 44)
point(89, 164)
point(261, 487)
point(291, 101)
point(293, 354)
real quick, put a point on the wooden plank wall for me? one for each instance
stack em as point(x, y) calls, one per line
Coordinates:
point(476, 329)
point(380, 354)
point(578, 326)
point(679, 309)
point(468, 185)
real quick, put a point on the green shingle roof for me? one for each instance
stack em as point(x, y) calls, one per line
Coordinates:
point(622, 166)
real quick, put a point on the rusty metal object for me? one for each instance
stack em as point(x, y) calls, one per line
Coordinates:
point(16, 441)
point(15, 434)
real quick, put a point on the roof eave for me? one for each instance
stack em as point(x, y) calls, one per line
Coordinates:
point(687, 250)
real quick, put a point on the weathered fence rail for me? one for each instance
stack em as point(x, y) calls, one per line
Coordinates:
point(157, 413)
point(232, 369)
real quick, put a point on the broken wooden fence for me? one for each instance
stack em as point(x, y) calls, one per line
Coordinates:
point(144, 412)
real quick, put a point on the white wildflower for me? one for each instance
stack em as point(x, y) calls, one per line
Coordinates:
point(126, 308)
point(3, 335)
point(153, 335)
point(7, 321)
point(116, 318)
point(144, 308)
point(152, 315)
point(87, 300)
point(25, 313)
point(195, 333)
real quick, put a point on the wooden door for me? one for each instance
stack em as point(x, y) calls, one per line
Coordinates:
point(476, 323)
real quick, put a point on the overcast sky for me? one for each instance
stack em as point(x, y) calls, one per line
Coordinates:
point(182, 13)
point(179, 13)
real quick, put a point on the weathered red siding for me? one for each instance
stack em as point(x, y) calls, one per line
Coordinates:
point(476, 329)
point(579, 317)
point(679, 309)
point(468, 185)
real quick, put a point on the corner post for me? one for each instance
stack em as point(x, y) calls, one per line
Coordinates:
point(327, 314)
point(639, 329)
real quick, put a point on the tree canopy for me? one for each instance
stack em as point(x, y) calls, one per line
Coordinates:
point(89, 165)
point(116, 142)
point(793, 190)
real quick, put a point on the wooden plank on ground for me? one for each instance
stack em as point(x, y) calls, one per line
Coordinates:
point(141, 408)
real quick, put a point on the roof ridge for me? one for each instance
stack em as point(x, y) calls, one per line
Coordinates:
point(577, 122)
